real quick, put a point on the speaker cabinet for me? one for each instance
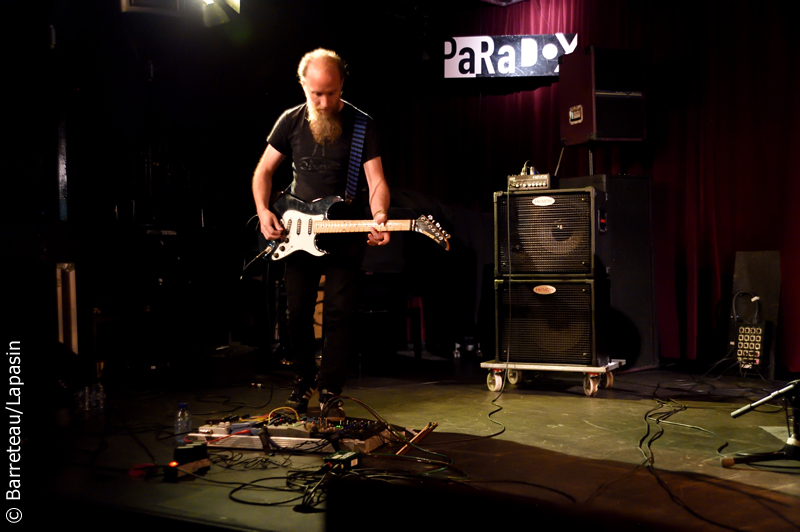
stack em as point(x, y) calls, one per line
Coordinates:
point(601, 94)
point(545, 233)
point(624, 267)
point(546, 321)
point(607, 245)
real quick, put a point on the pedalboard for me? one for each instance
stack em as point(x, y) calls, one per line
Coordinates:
point(309, 435)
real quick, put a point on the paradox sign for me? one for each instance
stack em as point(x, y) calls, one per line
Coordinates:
point(506, 55)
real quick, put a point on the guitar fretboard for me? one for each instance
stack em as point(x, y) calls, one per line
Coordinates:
point(359, 226)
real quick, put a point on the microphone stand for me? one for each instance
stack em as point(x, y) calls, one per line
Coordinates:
point(791, 449)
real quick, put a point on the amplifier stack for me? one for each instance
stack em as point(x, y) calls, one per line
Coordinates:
point(555, 257)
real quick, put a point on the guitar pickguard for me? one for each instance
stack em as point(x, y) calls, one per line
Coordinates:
point(299, 235)
point(297, 218)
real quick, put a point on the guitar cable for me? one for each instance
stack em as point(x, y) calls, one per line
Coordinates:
point(265, 253)
point(510, 292)
point(508, 330)
point(271, 245)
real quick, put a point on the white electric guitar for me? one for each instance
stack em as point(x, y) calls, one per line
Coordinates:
point(304, 221)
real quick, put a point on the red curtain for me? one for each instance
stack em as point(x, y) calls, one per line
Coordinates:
point(724, 91)
point(722, 111)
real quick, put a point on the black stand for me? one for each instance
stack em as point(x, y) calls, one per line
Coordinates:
point(791, 450)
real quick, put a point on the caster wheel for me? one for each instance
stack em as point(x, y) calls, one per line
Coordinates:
point(591, 384)
point(514, 376)
point(494, 381)
point(607, 379)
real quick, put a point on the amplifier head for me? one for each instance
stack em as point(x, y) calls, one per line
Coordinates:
point(529, 182)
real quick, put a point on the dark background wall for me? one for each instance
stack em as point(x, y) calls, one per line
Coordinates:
point(164, 120)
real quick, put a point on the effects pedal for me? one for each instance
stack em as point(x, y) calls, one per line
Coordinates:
point(188, 459)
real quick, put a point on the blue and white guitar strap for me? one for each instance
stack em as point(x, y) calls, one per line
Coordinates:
point(356, 147)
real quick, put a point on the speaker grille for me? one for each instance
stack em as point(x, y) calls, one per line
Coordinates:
point(551, 233)
point(555, 328)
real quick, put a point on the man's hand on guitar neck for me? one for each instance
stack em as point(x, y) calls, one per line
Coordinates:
point(271, 226)
point(376, 237)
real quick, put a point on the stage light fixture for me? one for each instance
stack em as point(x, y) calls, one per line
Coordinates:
point(213, 14)
point(502, 3)
point(236, 5)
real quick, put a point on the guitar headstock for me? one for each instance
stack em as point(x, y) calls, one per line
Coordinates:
point(427, 226)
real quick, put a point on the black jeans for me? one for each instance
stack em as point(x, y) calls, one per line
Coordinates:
point(302, 278)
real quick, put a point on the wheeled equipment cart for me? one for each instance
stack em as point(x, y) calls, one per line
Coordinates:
point(594, 377)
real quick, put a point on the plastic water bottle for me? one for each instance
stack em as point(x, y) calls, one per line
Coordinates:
point(99, 396)
point(183, 422)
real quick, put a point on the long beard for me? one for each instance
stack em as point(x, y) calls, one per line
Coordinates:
point(325, 127)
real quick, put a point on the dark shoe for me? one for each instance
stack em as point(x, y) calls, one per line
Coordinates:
point(304, 390)
point(330, 406)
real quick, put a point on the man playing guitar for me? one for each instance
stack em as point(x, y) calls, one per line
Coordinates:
point(318, 136)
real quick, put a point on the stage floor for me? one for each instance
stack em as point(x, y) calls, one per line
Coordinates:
point(644, 453)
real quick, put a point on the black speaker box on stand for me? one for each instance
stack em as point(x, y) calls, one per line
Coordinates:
point(601, 94)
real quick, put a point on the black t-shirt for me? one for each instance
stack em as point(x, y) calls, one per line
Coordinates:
point(320, 171)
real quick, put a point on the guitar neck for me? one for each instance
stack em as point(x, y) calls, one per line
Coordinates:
point(359, 226)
